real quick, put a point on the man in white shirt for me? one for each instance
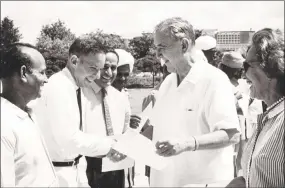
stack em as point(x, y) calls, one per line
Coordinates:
point(194, 118)
point(25, 161)
point(108, 114)
point(61, 111)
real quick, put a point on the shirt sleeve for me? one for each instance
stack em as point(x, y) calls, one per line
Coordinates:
point(61, 111)
point(220, 109)
point(8, 145)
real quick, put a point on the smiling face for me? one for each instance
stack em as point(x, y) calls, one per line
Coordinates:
point(109, 72)
point(260, 83)
point(88, 67)
point(36, 77)
point(122, 77)
point(168, 49)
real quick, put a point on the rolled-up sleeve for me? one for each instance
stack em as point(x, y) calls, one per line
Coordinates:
point(220, 109)
point(8, 145)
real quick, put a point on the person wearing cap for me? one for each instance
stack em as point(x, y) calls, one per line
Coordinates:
point(208, 46)
point(232, 65)
point(124, 69)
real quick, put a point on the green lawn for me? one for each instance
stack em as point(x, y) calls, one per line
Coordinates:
point(136, 99)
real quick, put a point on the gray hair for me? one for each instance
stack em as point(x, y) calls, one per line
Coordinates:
point(269, 45)
point(177, 28)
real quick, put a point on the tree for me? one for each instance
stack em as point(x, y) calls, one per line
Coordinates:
point(198, 33)
point(112, 40)
point(53, 43)
point(142, 45)
point(56, 30)
point(9, 33)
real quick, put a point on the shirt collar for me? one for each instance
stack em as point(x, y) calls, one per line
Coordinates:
point(68, 74)
point(195, 73)
point(8, 106)
point(96, 88)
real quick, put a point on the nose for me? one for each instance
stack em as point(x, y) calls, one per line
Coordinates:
point(45, 79)
point(97, 75)
point(108, 72)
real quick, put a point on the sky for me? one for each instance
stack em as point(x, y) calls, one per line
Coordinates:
point(130, 18)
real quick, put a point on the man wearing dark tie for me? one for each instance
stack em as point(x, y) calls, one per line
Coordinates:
point(61, 111)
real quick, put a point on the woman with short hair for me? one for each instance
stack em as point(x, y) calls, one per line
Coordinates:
point(263, 157)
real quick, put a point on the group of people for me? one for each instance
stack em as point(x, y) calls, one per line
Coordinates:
point(56, 132)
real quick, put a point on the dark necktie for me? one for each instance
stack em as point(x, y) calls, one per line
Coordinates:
point(78, 91)
point(106, 112)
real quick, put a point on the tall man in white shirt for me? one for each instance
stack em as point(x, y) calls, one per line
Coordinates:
point(25, 161)
point(108, 114)
point(62, 110)
point(194, 118)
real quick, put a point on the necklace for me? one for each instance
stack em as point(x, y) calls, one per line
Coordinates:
point(275, 104)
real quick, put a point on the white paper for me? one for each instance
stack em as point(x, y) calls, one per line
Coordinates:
point(108, 165)
point(141, 149)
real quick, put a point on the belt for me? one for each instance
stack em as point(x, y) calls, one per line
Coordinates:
point(66, 164)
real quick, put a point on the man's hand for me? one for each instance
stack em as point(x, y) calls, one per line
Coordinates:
point(173, 147)
point(115, 156)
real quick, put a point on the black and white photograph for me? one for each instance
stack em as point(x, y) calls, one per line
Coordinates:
point(126, 94)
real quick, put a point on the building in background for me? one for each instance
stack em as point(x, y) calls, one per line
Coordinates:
point(233, 40)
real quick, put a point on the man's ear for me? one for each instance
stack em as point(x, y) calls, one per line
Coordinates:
point(185, 45)
point(74, 60)
point(23, 73)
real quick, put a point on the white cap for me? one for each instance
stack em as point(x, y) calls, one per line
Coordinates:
point(125, 58)
point(205, 42)
point(233, 60)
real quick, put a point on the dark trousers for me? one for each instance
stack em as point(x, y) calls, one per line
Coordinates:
point(99, 179)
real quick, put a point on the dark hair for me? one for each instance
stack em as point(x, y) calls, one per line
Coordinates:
point(269, 45)
point(86, 45)
point(12, 59)
point(231, 72)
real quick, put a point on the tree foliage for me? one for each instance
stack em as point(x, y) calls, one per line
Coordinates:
point(54, 42)
point(142, 46)
point(9, 33)
point(112, 40)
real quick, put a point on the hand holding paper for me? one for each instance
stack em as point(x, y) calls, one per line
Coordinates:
point(141, 149)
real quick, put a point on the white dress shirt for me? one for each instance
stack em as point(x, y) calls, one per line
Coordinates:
point(201, 104)
point(119, 108)
point(25, 161)
point(59, 119)
point(58, 114)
